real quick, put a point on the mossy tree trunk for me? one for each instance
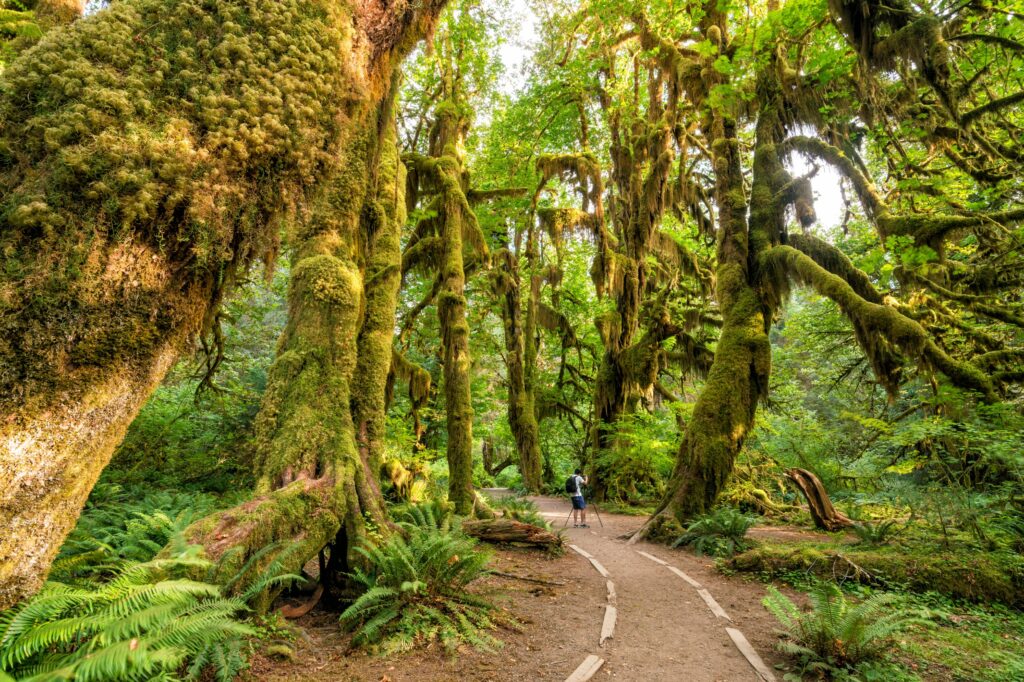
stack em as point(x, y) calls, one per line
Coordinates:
point(200, 174)
point(522, 411)
point(320, 427)
point(724, 413)
point(451, 307)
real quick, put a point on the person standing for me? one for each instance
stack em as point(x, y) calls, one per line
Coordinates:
point(579, 505)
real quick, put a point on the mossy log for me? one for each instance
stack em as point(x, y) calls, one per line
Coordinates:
point(509, 530)
point(172, 177)
point(971, 575)
point(823, 512)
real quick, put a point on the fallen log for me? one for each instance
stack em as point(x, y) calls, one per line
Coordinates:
point(823, 512)
point(508, 530)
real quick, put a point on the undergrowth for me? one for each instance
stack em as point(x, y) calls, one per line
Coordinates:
point(721, 533)
point(836, 637)
point(145, 621)
point(415, 594)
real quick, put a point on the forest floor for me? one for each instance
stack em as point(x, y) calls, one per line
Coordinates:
point(664, 629)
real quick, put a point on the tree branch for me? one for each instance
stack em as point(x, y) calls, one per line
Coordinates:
point(877, 324)
point(834, 156)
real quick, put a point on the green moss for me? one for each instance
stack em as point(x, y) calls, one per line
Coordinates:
point(964, 574)
point(129, 201)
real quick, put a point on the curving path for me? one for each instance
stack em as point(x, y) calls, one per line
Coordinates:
point(665, 615)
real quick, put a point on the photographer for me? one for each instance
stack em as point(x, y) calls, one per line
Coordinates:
point(574, 486)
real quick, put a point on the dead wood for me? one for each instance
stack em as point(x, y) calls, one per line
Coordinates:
point(823, 512)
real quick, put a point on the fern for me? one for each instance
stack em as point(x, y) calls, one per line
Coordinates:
point(436, 515)
point(118, 527)
point(144, 621)
point(520, 509)
point(835, 635)
point(875, 533)
point(720, 533)
point(415, 592)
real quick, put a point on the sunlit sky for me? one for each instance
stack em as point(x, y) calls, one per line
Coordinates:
point(516, 51)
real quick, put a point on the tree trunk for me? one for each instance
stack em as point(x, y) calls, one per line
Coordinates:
point(49, 463)
point(103, 299)
point(522, 416)
point(451, 311)
point(382, 222)
point(456, 221)
point(317, 478)
point(738, 379)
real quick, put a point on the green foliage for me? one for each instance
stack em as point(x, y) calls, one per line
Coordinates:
point(720, 533)
point(521, 509)
point(636, 468)
point(18, 29)
point(836, 636)
point(145, 622)
point(415, 594)
point(127, 524)
point(436, 514)
point(877, 533)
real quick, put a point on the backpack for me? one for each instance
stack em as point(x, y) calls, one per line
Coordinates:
point(570, 485)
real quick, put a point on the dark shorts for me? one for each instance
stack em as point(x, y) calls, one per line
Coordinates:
point(578, 503)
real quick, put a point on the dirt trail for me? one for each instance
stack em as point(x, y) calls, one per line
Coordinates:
point(664, 629)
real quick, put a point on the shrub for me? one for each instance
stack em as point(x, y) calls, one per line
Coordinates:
point(835, 636)
point(416, 594)
point(720, 533)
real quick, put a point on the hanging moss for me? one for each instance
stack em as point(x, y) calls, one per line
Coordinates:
point(522, 410)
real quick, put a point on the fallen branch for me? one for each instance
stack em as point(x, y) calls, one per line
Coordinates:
point(526, 578)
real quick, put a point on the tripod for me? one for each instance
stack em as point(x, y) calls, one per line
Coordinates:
point(592, 504)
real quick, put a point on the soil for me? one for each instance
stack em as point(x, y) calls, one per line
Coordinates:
point(664, 630)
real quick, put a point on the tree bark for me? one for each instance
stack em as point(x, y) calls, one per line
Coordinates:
point(456, 224)
point(738, 379)
point(451, 311)
point(201, 174)
point(321, 419)
point(823, 512)
point(522, 415)
point(509, 530)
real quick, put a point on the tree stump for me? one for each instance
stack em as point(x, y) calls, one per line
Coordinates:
point(824, 513)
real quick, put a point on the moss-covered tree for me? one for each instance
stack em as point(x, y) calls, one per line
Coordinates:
point(139, 183)
point(758, 260)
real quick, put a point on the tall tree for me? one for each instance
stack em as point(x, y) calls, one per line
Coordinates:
point(449, 240)
point(138, 183)
point(758, 260)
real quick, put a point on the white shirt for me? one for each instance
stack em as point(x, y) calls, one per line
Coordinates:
point(579, 482)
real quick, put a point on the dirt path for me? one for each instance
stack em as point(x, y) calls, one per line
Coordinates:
point(664, 629)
